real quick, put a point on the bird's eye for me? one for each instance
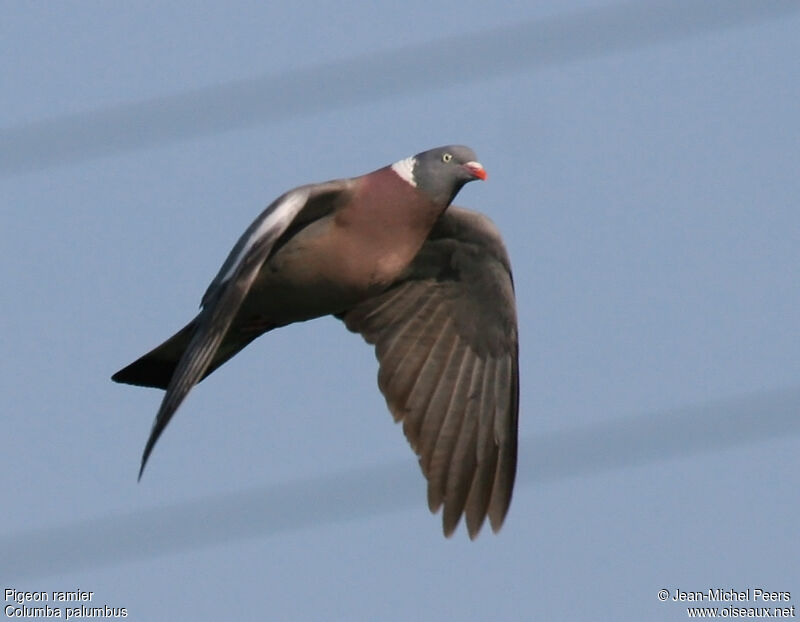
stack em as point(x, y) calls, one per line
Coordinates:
point(447, 157)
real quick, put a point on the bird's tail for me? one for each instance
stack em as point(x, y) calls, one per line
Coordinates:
point(155, 368)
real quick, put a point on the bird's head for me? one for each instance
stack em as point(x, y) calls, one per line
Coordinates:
point(440, 173)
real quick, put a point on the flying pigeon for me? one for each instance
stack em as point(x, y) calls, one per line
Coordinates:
point(429, 286)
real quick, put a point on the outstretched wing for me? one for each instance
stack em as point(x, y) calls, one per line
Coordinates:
point(446, 339)
point(231, 285)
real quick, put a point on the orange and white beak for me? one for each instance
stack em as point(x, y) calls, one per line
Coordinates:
point(476, 170)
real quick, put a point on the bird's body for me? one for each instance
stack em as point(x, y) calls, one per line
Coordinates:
point(335, 278)
point(378, 252)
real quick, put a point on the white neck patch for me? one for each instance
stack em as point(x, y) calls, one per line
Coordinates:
point(405, 169)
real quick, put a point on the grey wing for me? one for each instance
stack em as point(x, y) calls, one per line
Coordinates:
point(230, 287)
point(446, 340)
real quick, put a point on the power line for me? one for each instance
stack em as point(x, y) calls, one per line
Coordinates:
point(447, 62)
point(347, 495)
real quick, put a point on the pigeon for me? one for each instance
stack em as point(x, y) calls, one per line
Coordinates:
point(428, 284)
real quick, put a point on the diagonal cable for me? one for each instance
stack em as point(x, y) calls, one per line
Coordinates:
point(348, 495)
point(405, 71)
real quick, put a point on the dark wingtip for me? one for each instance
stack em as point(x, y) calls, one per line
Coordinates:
point(146, 454)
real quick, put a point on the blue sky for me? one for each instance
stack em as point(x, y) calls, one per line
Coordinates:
point(648, 199)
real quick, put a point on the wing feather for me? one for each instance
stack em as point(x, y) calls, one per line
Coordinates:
point(447, 437)
point(394, 347)
point(422, 386)
point(228, 290)
point(447, 371)
point(446, 340)
point(464, 460)
point(401, 372)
